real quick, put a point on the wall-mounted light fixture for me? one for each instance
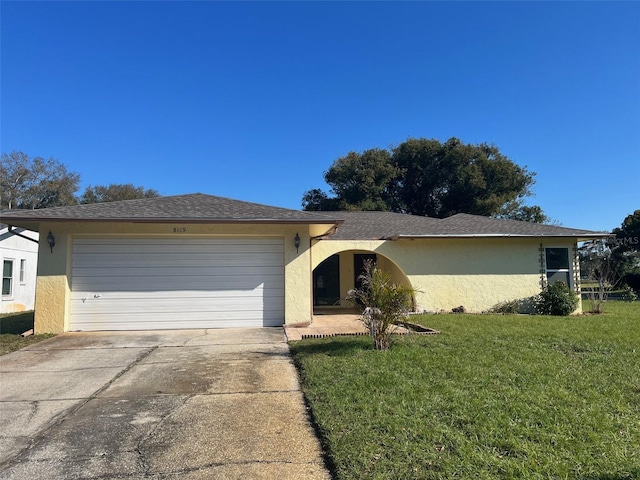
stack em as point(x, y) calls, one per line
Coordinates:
point(51, 240)
point(296, 242)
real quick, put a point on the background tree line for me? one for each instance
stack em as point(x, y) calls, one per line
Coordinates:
point(427, 177)
point(613, 263)
point(419, 176)
point(38, 183)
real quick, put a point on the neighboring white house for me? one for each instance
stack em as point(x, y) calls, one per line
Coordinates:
point(19, 258)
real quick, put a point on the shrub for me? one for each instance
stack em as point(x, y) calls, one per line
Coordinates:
point(385, 302)
point(506, 308)
point(627, 294)
point(519, 305)
point(632, 280)
point(556, 299)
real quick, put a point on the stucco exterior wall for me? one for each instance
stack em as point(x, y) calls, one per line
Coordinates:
point(477, 273)
point(474, 273)
point(54, 269)
point(51, 308)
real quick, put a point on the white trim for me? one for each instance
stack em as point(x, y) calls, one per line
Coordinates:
point(9, 296)
point(500, 235)
point(568, 270)
point(23, 271)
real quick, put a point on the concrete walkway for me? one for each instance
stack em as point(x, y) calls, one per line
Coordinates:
point(329, 325)
point(189, 405)
point(326, 326)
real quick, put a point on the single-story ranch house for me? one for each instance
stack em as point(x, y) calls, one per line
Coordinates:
point(201, 261)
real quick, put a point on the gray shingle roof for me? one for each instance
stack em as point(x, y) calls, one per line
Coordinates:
point(381, 225)
point(195, 207)
point(466, 224)
point(378, 225)
point(198, 207)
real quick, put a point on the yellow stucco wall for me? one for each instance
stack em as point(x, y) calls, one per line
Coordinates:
point(474, 272)
point(477, 273)
point(50, 306)
point(54, 269)
point(53, 283)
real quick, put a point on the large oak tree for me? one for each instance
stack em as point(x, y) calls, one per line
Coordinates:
point(38, 183)
point(35, 182)
point(361, 181)
point(428, 177)
point(115, 192)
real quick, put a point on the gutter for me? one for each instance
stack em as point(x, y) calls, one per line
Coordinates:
point(176, 220)
point(500, 235)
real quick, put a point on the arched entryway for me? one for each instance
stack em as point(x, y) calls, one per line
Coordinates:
point(337, 274)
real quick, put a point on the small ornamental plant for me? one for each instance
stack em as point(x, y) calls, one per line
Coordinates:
point(556, 299)
point(385, 303)
point(628, 294)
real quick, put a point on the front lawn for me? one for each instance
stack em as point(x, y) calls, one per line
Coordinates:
point(12, 325)
point(490, 397)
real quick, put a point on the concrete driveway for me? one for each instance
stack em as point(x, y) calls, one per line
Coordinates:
point(192, 404)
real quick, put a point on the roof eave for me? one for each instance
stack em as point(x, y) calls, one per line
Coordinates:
point(15, 220)
point(578, 236)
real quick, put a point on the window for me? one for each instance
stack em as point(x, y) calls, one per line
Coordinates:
point(23, 267)
point(7, 277)
point(557, 265)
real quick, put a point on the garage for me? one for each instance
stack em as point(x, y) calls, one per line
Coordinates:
point(176, 283)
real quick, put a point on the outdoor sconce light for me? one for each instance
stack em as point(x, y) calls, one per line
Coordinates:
point(296, 242)
point(52, 240)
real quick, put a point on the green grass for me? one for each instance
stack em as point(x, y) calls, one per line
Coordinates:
point(12, 325)
point(491, 397)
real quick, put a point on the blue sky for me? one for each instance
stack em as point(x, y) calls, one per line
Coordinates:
point(254, 101)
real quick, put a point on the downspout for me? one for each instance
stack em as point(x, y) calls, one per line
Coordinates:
point(12, 232)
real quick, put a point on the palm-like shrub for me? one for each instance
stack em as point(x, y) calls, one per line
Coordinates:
point(385, 303)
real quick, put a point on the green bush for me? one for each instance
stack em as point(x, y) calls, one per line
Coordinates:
point(511, 307)
point(556, 299)
point(628, 294)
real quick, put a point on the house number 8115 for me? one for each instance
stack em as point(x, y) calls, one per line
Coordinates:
point(179, 229)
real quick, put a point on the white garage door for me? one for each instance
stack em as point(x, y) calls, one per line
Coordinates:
point(150, 284)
